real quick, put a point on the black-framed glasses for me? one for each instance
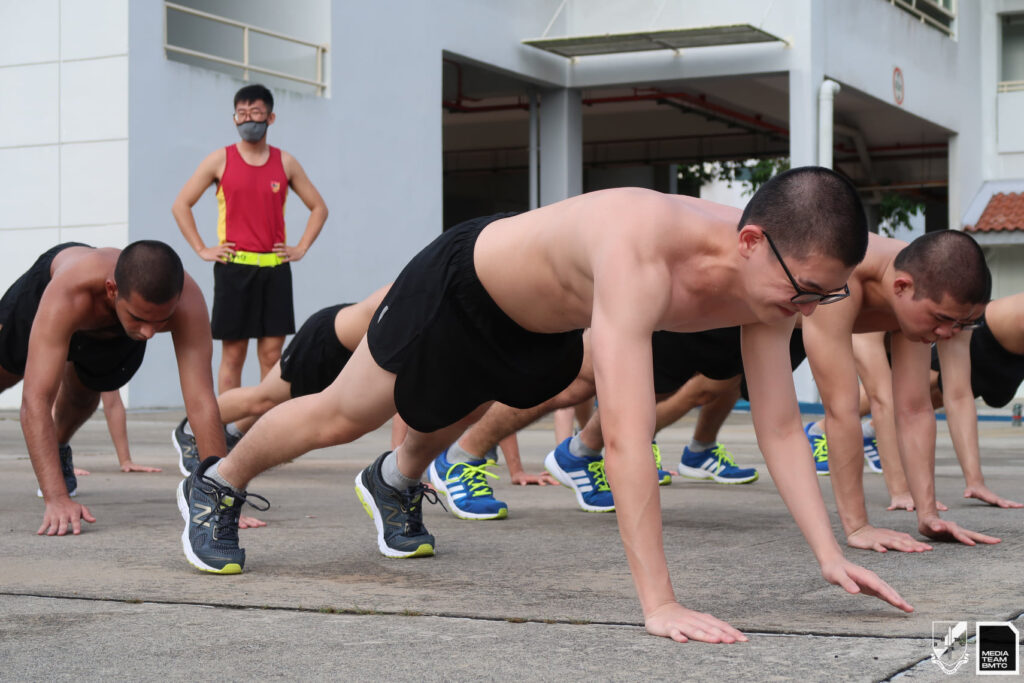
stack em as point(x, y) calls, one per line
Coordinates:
point(257, 115)
point(803, 296)
point(967, 325)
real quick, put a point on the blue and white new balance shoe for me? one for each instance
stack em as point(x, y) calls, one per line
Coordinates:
point(465, 485)
point(819, 448)
point(585, 476)
point(871, 454)
point(716, 464)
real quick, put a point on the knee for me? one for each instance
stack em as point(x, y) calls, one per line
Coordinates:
point(268, 357)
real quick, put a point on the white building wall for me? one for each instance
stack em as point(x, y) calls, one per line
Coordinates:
point(63, 130)
point(373, 146)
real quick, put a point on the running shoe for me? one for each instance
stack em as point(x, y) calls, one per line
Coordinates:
point(185, 445)
point(871, 454)
point(211, 511)
point(67, 468)
point(819, 448)
point(716, 464)
point(585, 476)
point(397, 515)
point(465, 484)
point(664, 476)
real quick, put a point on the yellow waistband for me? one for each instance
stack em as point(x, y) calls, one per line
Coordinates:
point(252, 258)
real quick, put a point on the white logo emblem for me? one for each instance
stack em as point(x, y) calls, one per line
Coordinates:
point(949, 645)
point(382, 312)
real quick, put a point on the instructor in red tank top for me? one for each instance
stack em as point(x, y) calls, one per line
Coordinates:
point(252, 295)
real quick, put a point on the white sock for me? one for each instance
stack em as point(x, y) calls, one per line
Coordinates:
point(188, 428)
point(391, 475)
point(867, 429)
point(234, 431)
point(214, 473)
point(457, 453)
point(582, 450)
point(700, 446)
point(816, 429)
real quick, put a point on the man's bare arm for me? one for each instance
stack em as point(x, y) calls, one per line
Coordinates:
point(204, 176)
point(962, 417)
point(629, 297)
point(193, 348)
point(828, 338)
point(776, 416)
point(60, 309)
point(303, 186)
point(915, 422)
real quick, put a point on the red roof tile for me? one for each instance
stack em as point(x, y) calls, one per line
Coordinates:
point(1004, 212)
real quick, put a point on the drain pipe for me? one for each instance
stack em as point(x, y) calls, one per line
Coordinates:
point(534, 152)
point(826, 96)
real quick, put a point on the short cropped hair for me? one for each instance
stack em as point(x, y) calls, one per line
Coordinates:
point(150, 268)
point(947, 262)
point(811, 210)
point(255, 93)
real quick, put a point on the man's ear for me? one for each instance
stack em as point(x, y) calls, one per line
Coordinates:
point(903, 284)
point(111, 288)
point(271, 118)
point(749, 237)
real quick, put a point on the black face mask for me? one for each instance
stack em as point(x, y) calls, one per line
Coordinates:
point(252, 131)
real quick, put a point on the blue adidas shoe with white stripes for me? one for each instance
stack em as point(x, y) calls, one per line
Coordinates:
point(585, 476)
point(716, 464)
point(465, 485)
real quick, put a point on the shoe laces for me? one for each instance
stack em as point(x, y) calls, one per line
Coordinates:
point(223, 517)
point(475, 477)
point(411, 505)
point(596, 470)
point(821, 449)
point(723, 455)
point(657, 454)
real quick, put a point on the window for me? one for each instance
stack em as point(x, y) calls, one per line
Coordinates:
point(939, 14)
point(282, 45)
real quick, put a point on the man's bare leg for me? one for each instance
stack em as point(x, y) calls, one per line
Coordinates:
point(252, 402)
point(232, 359)
point(268, 351)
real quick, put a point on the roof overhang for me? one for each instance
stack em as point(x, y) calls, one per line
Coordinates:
point(673, 39)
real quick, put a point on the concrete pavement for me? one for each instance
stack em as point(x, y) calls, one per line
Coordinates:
point(545, 594)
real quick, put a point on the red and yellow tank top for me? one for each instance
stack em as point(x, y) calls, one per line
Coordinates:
point(250, 202)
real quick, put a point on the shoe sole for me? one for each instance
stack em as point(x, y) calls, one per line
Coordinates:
point(824, 474)
point(551, 465)
point(666, 480)
point(181, 456)
point(703, 475)
point(425, 549)
point(186, 545)
point(440, 487)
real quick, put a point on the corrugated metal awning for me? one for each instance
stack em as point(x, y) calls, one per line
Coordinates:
point(675, 39)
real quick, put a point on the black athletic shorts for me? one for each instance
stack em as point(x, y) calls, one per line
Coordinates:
point(250, 302)
point(314, 357)
point(453, 349)
point(101, 364)
point(678, 356)
point(995, 372)
point(715, 354)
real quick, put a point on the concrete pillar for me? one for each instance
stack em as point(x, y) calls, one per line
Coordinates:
point(806, 73)
point(561, 145)
point(534, 151)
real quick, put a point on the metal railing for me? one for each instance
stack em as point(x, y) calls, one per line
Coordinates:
point(1011, 86)
point(246, 65)
point(932, 12)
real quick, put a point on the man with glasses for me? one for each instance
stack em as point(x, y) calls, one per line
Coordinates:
point(925, 292)
point(494, 309)
point(252, 293)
